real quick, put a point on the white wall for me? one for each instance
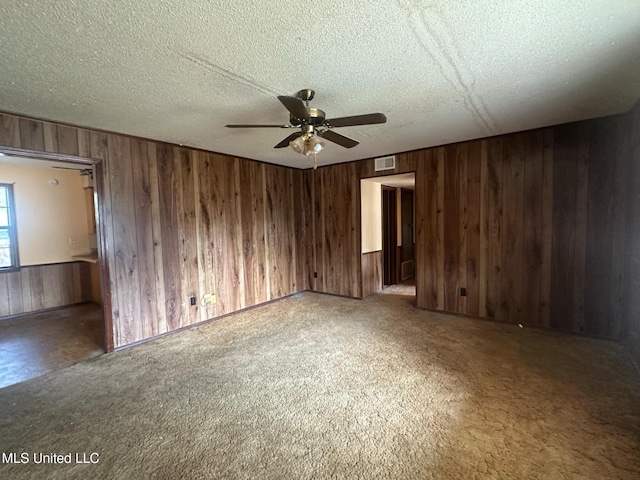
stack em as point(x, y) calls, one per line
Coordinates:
point(47, 215)
point(371, 212)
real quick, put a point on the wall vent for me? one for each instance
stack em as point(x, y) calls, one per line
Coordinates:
point(385, 163)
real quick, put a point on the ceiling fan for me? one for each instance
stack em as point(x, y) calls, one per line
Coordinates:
point(312, 123)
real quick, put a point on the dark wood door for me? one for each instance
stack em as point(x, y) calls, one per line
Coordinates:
point(389, 235)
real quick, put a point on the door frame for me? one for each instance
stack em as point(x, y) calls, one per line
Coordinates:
point(389, 232)
point(408, 191)
point(99, 212)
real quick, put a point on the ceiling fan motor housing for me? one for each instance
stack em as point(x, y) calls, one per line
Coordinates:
point(316, 118)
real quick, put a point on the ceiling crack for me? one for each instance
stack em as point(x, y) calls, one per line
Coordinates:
point(430, 30)
point(228, 74)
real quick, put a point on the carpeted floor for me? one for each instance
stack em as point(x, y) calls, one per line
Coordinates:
point(326, 387)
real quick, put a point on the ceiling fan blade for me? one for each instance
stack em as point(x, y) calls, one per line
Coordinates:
point(258, 126)
point(285, 143)
point(295, 106)
point(368, 119)
point(341, 140)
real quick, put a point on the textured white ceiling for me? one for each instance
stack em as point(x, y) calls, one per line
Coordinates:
point(442, 71)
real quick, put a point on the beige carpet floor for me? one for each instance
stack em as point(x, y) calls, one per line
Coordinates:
point(326, 387)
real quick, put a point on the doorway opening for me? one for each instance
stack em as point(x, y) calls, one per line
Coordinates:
point(51, 313)
point(388, 234)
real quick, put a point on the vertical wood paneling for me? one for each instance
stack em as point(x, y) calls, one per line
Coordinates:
point(452, 220)
point(162, 238)
point(280, 231)
point(25, 279)
point(426, 229)
point(198, 161)
point(473, 229)
point(561, 189)
point(532, 231)
point(463, 240)
point(168, 188)
point(84, 143)
point(156, 231)
point(130, 326)
point(4, 296)
point(371, 272)
point(187, 235)
point(14, 291)
point(10, 135)
point(227, 268)
point(305, 251)
point(564, 218)
point(239, 240)
point(145, 242)
point(31, 134)
point(206, 245)
point(353, 197)
point(494, 224)
point(319, 236)
point(483, 267)
point(338, 230)
point(619, 289)
point(300, 228)
point(547, 227)
point(51, 281)
point(582, 189)
point(36, 286)
point(40, 287)
point(68, 140)
point(512, 223)
point(440, 246)
point(253, 228)
point(600, 229)
point(50, 132)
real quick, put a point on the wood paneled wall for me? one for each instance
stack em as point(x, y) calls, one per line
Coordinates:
point(632, 239)
point(371, 272)
point(336, 196)
point(531, 224)
point(178, 222)
point(41, 287)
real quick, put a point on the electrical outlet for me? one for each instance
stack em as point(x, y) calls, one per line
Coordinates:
point(315, 274)
point(463, 292)
point(72, 240)
point(192, 300)
point(208, 298)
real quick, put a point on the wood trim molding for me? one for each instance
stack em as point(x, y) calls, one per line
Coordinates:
point(53, 157)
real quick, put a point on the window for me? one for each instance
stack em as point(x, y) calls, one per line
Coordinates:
point(8, 237)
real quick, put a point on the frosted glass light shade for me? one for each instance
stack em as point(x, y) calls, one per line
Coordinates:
point(306, 144)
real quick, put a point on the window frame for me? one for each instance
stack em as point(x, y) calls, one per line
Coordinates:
point(12, 229)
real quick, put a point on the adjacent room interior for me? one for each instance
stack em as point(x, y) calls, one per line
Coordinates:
point(397, 241)
point(50, 312)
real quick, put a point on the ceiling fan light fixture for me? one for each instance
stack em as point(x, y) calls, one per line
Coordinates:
point(313, 146)
point(307, 144)
point(298, 144)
